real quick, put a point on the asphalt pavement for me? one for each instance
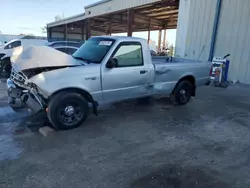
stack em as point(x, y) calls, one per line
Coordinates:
point(156, 145)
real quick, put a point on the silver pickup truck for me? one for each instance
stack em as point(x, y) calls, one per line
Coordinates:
point(103, 70)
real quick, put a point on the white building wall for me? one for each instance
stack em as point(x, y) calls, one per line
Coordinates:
point(199, 35)
point(194, 30)
point(195, 27)
point(233, 37)
point(182, 25)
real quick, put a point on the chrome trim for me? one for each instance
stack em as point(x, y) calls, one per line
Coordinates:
point(18, 77)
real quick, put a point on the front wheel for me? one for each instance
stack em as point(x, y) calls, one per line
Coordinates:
point(67, 110)
point(183, 92)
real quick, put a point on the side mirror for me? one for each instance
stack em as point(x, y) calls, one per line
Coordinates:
point(112, 62)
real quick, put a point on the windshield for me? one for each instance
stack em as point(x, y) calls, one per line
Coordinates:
point(94, 50)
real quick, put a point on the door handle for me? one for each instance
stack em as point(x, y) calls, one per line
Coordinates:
point(143, 72)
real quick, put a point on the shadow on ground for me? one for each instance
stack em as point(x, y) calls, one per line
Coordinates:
point(175, 176)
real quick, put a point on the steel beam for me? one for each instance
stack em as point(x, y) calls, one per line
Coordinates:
point(159, 40)
point(83, 32)
point(88, 29)
point(130, 22)
point(149, 29)
point(164, 39)
point(49, 34)
point(65, 32)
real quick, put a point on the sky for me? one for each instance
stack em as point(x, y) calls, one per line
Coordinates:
point(29, 16)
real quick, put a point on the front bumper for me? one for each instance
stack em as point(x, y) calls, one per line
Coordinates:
point(19, 98)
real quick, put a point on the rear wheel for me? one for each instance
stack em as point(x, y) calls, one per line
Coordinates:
point(183, 92)
point(67, 110)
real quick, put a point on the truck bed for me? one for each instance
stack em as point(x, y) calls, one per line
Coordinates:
point(165, 59)
point(168, 72)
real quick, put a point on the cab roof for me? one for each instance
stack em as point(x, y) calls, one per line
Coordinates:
point(122, 38)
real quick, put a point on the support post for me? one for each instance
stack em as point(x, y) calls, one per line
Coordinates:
point(110, 27)
point(109, 30)
point(149, 30)
point(130, 22)
point(164, 39)
point(49, 34)
point(65, 32)
point(83, 33)
point(159, 40)
point(88, 29)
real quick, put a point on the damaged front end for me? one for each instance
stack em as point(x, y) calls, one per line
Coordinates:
point(27, 64)
point(22, 94)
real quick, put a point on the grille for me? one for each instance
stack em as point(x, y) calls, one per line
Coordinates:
point(18, 77)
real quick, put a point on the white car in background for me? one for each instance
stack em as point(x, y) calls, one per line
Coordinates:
point(7, 50)
point(8, 47)
point(15, 47)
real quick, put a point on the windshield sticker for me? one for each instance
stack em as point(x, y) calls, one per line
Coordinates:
point(105, 43)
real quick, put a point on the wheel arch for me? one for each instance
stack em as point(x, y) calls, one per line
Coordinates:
point(82, 92)
point(189, 78)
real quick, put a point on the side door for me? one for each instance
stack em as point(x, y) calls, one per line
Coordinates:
point(130, 77)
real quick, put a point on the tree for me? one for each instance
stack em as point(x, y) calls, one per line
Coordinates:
point(58, 18)
point(44, 29)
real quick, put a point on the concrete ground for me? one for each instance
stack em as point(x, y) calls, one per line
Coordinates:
point(203, 144)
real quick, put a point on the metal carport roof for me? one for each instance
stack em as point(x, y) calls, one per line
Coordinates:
point(157, 15)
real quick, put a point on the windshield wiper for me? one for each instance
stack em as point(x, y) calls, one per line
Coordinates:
point(83, 59)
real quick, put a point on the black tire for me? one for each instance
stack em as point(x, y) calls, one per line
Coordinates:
point(59, 110)
point(183, 92)
point(208, 83)
point(144, 100)
point(224, 85)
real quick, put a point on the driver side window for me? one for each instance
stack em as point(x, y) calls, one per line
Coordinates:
point(129, 54)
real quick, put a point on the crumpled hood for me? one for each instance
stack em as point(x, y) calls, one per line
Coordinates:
point(42, 56)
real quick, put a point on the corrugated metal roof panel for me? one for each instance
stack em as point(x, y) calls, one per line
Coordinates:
point(113, 6)
point(97, 3)
point(75, 18)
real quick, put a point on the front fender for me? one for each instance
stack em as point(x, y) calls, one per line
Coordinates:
point(186, 74)
point(50, 82)
point(49, 86)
